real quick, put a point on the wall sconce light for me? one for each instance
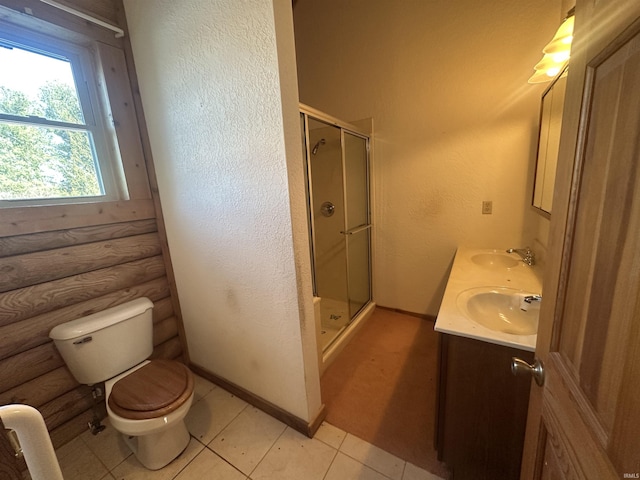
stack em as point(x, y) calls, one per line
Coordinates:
point(556, 53)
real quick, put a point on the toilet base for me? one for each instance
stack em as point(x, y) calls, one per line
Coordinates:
point(159, 449)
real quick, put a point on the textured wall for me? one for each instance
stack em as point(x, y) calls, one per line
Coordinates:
point(455, 123)
point(218, 85)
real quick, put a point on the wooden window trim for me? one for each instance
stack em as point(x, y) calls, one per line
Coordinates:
point(113, 81)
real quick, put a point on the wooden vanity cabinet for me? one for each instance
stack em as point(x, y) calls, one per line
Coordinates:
point(482, 409)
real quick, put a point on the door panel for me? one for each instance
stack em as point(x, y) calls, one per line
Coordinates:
point(572, 430)
point(555, 467)
point(327, 188)
point(357, 221)
point(585, 421)
point(605, 245)
point(358, 260)
point(356, 180)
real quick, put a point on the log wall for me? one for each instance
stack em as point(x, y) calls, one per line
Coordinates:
point(63, 275)
point(63, 262)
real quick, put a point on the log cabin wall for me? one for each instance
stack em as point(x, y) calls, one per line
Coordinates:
point(62, 262)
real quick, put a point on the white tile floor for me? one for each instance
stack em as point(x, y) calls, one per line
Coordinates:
point(231, 440)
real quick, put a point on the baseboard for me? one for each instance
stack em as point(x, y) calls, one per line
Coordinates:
point(307, 428)
point(424, 316)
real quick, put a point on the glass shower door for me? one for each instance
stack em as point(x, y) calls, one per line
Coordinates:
point(357, 225)
point(327, 217)
point(338, 184)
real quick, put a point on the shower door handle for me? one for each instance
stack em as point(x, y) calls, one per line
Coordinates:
point(356, 229)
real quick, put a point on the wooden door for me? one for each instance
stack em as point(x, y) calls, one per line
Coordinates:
point(585, 420)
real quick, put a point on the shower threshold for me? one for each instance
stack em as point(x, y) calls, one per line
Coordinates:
point(341, 336)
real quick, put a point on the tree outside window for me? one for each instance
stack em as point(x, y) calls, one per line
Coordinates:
point(48, 126)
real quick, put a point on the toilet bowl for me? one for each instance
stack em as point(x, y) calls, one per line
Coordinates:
point(157, 437)
point(146, 400)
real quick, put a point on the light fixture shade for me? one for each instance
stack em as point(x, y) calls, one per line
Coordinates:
point(541, 76)
point(556, 53)
point(558, 45)
point(549, 61)
point(563, 37)
point(565, 29)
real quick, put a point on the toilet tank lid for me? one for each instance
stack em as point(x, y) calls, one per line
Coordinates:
point(99, 320)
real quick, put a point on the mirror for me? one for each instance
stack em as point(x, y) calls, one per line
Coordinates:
point(548, 143)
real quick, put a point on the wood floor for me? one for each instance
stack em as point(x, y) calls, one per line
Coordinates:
point(382, 387)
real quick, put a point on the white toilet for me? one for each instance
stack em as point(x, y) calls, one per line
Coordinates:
point(146, 400)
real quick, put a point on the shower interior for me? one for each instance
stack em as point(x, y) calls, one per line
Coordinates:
point(337, 160)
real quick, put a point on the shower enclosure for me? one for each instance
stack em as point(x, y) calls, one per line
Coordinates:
point(337, 160)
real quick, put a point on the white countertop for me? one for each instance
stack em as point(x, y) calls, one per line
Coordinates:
point(466, 274)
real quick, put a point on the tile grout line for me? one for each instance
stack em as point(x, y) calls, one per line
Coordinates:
point(190, 461)
point(226, 424)
point(342, 441)
point(339, 450)
point(328, 444)
point(227, 461)
point(267, 452)
point(81, 436)
point(193, 437)
point(404, 462)
point(224, 459)
point(94, 453)
point(335, 455)
point(220, 433)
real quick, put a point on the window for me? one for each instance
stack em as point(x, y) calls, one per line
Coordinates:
point(54, 144)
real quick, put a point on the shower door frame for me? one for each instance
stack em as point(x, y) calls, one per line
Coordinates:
point(310, 112)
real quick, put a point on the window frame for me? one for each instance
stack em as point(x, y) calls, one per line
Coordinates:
point(124, 118)
point(93, 100)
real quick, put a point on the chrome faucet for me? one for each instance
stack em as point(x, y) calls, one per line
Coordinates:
point(533, 298)
point(528, 300)
point(526, 253)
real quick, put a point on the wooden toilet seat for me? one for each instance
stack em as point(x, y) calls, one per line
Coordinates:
point(157, 389)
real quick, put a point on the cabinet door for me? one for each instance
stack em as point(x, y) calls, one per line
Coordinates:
point(482, 409)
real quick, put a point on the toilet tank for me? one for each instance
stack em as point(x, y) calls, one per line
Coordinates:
point(104, 344)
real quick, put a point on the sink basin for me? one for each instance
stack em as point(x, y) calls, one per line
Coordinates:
point(494, 260)
point(498, 308)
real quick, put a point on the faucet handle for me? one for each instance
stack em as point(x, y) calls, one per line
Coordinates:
point(529, 257)
point(526, 253)
point(533, 298)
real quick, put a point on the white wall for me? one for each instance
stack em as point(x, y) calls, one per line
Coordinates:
point(218, 84)
point(455, 123)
